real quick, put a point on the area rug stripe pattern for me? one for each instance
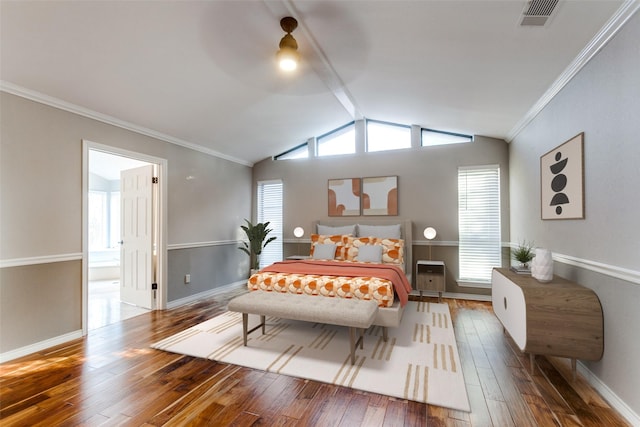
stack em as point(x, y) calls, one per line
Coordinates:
point(418, 362)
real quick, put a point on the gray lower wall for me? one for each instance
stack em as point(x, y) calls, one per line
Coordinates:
point(41, 215)
point(39, 302)
point(210, 267)
point(603, 101)
point(427, 191)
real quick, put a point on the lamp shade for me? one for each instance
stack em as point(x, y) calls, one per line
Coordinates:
point(298, 231)
point(430, 233)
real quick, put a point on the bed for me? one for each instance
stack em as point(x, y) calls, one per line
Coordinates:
point(362, 259)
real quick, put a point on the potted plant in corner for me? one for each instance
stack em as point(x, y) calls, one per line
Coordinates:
point(256, 234)
point(523, 254)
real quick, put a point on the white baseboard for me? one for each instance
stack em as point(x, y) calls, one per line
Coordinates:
point(42, 345)
point(206, 294)
point(472, 297)
point(608, 395)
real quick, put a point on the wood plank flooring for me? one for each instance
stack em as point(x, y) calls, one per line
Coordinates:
point(112, 377)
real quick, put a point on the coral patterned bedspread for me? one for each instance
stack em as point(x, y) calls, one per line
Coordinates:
point(340, 279)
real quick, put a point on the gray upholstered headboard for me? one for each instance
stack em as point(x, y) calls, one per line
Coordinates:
point(405, 232)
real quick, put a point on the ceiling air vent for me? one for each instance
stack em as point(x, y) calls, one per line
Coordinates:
point(536, 13)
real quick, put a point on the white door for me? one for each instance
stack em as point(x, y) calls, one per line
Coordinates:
point(136, 252)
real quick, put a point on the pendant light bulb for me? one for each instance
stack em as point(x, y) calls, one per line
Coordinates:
point(288, 56)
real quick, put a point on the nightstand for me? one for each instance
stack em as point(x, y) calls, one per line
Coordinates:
point(430, 277)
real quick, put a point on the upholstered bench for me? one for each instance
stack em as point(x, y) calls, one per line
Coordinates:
point(353, 313)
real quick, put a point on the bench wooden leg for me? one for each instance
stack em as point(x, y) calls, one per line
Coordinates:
point(352, 344)
point(385, 334)
point(245, 326)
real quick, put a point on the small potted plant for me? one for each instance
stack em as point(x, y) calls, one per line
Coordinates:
point(256, 234)
point(523, 254)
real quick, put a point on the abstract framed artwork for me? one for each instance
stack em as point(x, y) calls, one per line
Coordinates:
point(344, 197)
point(562, 181)
point(380, 195)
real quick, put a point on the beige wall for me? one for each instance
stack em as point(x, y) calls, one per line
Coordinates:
point(427, 189)
point(603, 101)
point(41, 215)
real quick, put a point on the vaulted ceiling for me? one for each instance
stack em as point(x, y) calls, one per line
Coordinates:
point(203, 73)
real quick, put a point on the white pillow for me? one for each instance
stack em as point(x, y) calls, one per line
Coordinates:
point(382, 231)
point(324, 251)
point(369, 253)
point(331, 230)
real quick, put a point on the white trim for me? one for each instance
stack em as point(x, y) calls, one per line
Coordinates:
point(39, 346)
point(162, 207)
point(45, 259)
point(206, 294)
point(456, 295)
point(453, 243)
point(608, 395)
point(631, 276)
point(174, 246)
point(477, 285)
point(435, 243)
point(104, 118)
point(621, 273)
point(615, 23)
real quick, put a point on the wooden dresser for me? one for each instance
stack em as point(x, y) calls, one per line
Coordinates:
point(559, 318)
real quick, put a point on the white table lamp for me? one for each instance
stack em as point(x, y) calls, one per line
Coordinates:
point(298, 232)
point(430, 234)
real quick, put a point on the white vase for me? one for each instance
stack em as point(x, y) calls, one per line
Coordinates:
point(542, 266)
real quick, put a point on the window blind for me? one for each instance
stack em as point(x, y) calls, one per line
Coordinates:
point(479, 222)
point(269, 201)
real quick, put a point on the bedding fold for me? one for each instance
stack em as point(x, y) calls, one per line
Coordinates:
point(392, 273)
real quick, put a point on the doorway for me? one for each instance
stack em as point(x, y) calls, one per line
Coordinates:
point(107, 217)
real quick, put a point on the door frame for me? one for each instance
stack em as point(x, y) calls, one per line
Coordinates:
point(161, 226)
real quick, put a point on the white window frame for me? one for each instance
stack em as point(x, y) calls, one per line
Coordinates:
point(479, 224)
point(269, 207)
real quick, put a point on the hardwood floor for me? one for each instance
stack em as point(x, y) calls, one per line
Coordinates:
point(112, 377)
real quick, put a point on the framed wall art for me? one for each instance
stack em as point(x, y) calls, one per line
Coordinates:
point(562, 181)
point(380, 195)
point(344, 197)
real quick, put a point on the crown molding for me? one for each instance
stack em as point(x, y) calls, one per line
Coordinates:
point(104, 118)
point(617, 21)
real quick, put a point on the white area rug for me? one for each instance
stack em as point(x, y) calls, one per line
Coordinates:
point(419, 362)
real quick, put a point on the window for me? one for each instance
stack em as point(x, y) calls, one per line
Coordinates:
point(299, 152)
point(269, 200)
point(382, 136)
point(438, 137)
point(338, 141)
point(479, 222)
point(97, 220)
point(114, 219)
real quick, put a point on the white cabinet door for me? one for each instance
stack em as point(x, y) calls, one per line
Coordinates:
point(508, 304)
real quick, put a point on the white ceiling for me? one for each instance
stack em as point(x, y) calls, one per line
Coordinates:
point(202, 73)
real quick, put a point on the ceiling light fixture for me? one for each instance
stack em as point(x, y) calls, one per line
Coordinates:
point(288, 56)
